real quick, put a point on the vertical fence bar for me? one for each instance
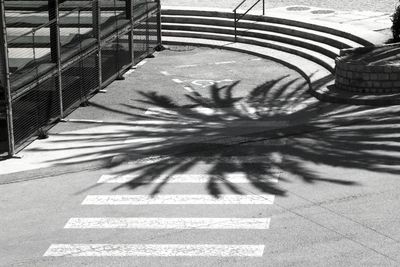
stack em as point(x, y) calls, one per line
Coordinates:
point(147, 30)
point(159, 27)
point(263, 7)
point(235, 22)
point(55, 46)
point(129, 16)
point(96, 13)
point(52, 12)
point(117, 54)
point(5, 79)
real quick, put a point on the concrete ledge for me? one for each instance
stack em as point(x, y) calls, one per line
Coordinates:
point(369, 70)
point(332, 94)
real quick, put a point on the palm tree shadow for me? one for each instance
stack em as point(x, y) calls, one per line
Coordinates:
point(263, 94)
point(254, 139)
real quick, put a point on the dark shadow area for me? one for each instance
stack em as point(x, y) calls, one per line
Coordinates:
point(276, 128)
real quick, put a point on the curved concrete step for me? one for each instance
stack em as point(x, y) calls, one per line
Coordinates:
point(322, 48)
point(330, 94)
point(316, 76)
point(320, 80)
point(359, 35)
point(322, 60)
point(309, 34)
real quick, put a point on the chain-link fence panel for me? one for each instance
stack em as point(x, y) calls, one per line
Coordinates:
point(113, 18)
point(29, 56)
point(33, 72)
point(115, 57)
point(3, 122)
point(140, 41)
point(76, 31)
point(78, 81)
point(153, 32)
point(59, 52)
point(34, 110)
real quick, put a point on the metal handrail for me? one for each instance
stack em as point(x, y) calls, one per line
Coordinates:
point(236, 18)
point(240, 5)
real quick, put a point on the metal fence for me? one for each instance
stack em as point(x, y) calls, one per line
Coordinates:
point(55, 54)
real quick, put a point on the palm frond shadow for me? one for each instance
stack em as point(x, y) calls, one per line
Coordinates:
point(266, 135)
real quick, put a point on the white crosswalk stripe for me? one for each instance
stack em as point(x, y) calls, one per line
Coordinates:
point(168, 223)
point(234, 178)
point(268, 176)
point(164, 250)
point(207, 160)
point(263, 199)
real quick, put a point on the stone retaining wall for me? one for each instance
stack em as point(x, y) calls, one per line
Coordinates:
point(362, 70)
point(356, 77)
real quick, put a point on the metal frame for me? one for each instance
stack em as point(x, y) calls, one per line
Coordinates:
point(55, 45)
point(96, 13)
point(5, 80)
point(56, 54)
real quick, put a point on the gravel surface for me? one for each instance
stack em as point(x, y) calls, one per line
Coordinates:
point(366, 5)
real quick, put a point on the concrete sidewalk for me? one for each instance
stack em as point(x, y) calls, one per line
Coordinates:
point(387, 6)
point(365, 15)
point(84, 138)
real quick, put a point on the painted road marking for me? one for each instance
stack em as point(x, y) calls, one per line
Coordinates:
point(262, 199)
point(234, 120)
point(206, 160)
point(159, 110)
point(177, 80)
point(196, 65)
point(156, 250)
point(168, 223)
point(145, 140)
point(235, 178)
point(166, 73)
point(186, 66)
point(137, 123)
point(224, 62)
point(205, 83)
point(190, 90)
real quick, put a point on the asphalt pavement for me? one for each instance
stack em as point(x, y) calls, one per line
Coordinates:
point(205, 157)
point(210, 163)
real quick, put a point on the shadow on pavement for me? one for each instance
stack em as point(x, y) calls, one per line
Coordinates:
point(277, 127)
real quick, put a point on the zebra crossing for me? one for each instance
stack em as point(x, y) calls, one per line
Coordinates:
point(202, 221)
point(160, 223)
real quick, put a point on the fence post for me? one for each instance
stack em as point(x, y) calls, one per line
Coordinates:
point(235, 23)
point(5, 79)
point(55, 46)
point(96, 13)
point(147, 30)
point(129, 16)
point(160, 46)
point(263, 7)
